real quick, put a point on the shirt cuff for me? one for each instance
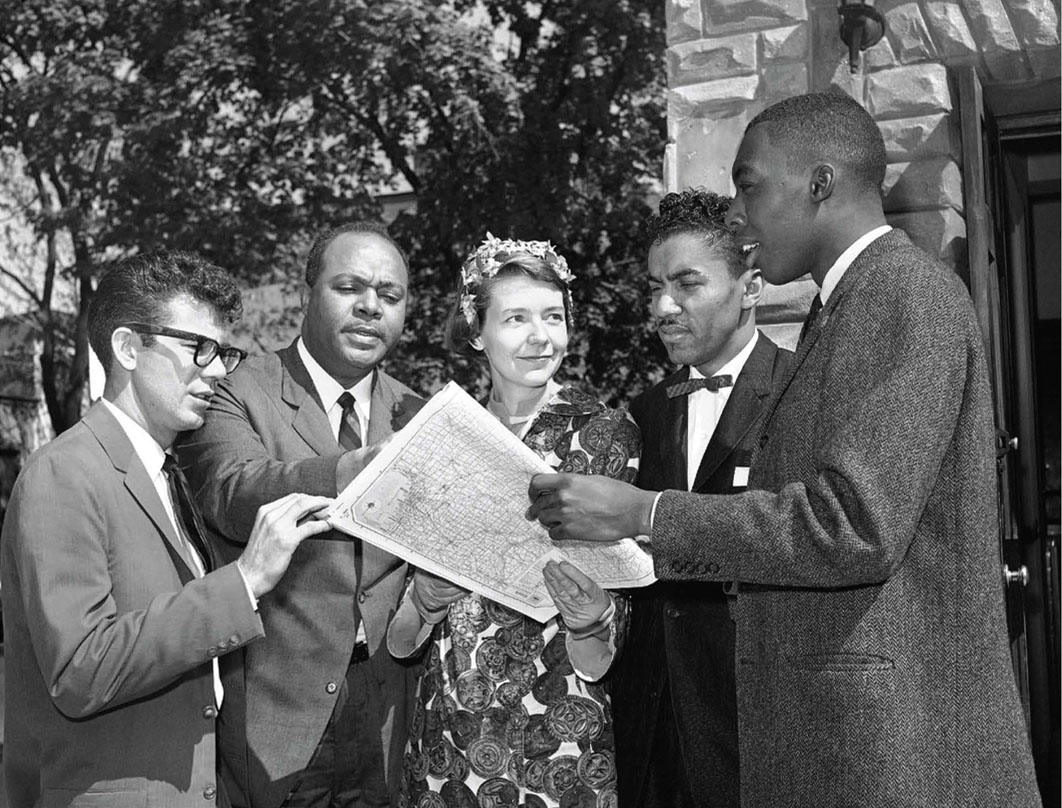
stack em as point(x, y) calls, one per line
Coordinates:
point(247, 586)
point(652, 511)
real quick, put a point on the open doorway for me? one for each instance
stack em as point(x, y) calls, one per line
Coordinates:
point(1013, 187)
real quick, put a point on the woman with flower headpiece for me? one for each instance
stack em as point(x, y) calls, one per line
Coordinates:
point(507, 712)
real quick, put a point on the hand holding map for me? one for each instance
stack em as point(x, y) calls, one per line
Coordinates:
point(449, 495)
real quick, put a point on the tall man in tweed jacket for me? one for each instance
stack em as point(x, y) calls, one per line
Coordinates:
point(316, 716)
point(872, 656)
point(674, 702)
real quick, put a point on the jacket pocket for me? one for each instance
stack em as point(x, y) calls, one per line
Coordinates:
point(840, 663)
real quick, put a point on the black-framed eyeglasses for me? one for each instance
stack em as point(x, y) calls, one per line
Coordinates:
point(206, 349)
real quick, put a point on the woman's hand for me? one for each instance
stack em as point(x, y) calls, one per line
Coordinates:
point(581, 602)
point(432, 595)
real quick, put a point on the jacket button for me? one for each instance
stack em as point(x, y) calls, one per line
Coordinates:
point(212, 652)
point(673, 612)
point(330, 687)
point(361, 597)
point(210, 711)
point(763, 440)
point(713, 568)
point(234, 640)
point(210, 792)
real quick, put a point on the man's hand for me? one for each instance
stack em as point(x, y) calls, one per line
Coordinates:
point(432, 595)
point(279, 527)
point(581, 602)
point(351, 463)
point(591, 508)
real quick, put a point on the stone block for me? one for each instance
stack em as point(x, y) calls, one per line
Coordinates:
point(712, 99)
point(941, 233)
point(934, 183)
point(784, 43)
point(784, 335)
point(783, 80)
point(671, 179)
point(1035, 23)
point(906, 31)
point(908, 92)
point(787, 304)
point(991, 27)
point(727, 16)
point(710, 59)
point(683, 19)
point(880, 57)
point(949, 28)
point(705, 150)
point(1044, 62)
point(908, 139)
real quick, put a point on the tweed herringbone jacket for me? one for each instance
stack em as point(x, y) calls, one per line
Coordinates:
point(872, 652)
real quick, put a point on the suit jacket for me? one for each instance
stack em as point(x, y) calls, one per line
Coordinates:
point(109, 696)
point(681, 636)
point(267, 435)
point(872, 651)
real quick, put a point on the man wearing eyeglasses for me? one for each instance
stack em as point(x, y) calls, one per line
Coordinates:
point(115, 608)
point(321, 715)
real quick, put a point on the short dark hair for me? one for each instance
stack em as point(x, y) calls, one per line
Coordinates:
point(459, 332)
point(315, 260)
point(831, 125)
point(701, 213)
point(140, 288)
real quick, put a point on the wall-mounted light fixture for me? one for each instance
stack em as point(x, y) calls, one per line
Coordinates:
point(862, 25)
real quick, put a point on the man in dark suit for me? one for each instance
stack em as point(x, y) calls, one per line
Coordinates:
point(873, 665)
point(317, 716)
point(673, 695)
point(115, 612)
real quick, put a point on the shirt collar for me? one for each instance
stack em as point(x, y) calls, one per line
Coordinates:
point(328, 389)
point(734, 366)
point(845, 259)
point(146, 447)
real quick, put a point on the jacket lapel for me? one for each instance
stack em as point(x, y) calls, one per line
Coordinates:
point(308, 417)
point(742, 409)
point(381, 411)
point(136, 480)
point(672, 412)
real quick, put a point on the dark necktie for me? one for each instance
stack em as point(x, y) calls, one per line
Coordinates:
point(813, 313)
point(185, 513)
point(712, 383)
point(349, 426)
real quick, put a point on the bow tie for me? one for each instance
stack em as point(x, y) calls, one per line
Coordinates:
point(712, 383)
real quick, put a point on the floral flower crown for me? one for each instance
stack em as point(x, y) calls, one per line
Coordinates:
point(490, 256)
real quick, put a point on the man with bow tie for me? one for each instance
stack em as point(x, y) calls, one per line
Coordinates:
point(673, 688)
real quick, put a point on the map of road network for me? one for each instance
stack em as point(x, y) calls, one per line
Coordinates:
point(448, 494)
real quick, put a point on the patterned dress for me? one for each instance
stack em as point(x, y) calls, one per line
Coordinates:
point(501, 718)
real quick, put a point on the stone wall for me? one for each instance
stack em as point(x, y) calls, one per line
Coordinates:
point(729, 59)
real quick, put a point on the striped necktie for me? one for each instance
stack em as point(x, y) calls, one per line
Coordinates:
point(349, 426)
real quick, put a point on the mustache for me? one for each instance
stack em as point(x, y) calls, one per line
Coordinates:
point(659, 322)
point(362, 328)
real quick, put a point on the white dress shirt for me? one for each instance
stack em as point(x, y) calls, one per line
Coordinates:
point(329, 391)
point(705, 407)
point(844, 260)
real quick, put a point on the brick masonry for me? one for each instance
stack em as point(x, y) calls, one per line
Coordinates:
point(729, 59)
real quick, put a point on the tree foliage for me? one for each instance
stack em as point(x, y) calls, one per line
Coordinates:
point(241, 129)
